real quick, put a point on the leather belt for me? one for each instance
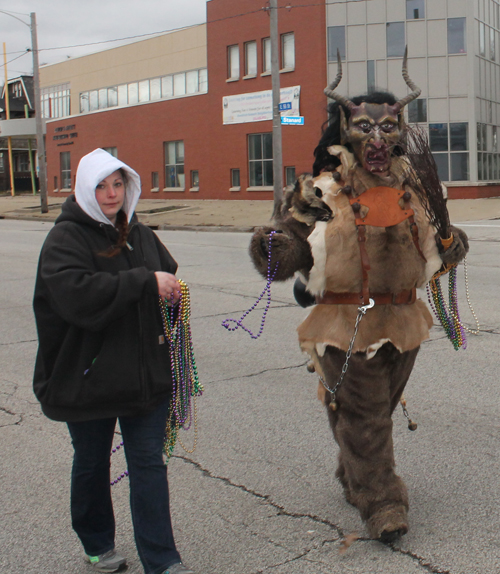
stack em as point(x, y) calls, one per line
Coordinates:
point(406, 297)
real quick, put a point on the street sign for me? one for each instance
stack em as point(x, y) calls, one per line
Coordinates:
point(292, 120)
point(285, 106)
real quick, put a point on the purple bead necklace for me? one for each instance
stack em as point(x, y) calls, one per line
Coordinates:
point(267, 289)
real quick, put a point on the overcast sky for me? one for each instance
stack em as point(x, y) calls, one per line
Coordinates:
point(64, 23)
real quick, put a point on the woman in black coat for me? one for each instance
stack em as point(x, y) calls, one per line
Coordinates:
point(103, 356)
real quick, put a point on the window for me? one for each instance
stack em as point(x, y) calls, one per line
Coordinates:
point(456, 36)
point(112, 96)
point(167, 87)
point(235, 179)
point(266, 56)
point(155, 181)
point(288, 51)
point(290, 175)
point(112, 150)
point(203, 80)
point(438, 137)
point(260, 159)
point(144, 91)
point(155, 89)
point(233, 62)
point(417, 111)
point(56, 101)
point(55, 183)
point(192, 82)
point(452, 166)
point(2, 166)
point(482, 48)
point(415, 9)
point(395, 36)
point(103, 98)
point(195, 180)
point(93, 100)
point(21, 162)
point(65, 163)
point(492, 44)
point(370, 75)
point(174, 164)
point(133, 93)
point(122, 95)
point(84, 102)
point(251, 59)
point(179, 84)
point(336, 41)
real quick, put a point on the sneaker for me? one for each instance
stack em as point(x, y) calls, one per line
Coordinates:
point(178, 568)
point(110, 561)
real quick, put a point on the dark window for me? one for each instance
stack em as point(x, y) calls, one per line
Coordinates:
point(417, 111)
point(458, 136)
point(438, 137)
point(459, 166)
point(260, 159)
point(65, 163)
point(55, 182)
point(336, 41)
point(456, 36)
point(235, 178)
point(395, 34)
point(370, 75)
point(155, 180)
point(482, 49)
point(195, 178)
point(415, 9)
point(290, 175)
point(174, 164)
point(442, 165)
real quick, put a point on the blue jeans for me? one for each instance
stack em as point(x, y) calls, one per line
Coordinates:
point(91, 505)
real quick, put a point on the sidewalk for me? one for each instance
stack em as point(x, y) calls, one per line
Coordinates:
point(215, 214)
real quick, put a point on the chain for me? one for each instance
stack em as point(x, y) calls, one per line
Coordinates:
point(361, 313)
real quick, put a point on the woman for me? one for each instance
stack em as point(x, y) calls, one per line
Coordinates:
point(102, 355)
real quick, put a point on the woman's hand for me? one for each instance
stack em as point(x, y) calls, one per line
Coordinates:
point(168, 286)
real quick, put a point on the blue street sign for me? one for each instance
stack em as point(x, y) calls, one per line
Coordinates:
point(285, 106)
point(292, 120)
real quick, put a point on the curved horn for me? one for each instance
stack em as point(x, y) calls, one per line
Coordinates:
point(329, 90)
point(415, 89)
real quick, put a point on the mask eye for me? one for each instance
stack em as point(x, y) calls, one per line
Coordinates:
point(318, 192)
point(365, 126)
point(388, 126)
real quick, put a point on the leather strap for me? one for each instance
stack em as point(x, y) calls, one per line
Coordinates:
point(406, 297)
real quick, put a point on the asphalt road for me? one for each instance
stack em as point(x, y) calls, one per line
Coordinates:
point(259, 493)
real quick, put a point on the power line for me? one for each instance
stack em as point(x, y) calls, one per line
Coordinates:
point(263, 9)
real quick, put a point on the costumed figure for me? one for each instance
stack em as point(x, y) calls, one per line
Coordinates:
point(363, 232)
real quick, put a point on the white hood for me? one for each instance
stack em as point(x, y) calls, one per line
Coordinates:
point(92, 169)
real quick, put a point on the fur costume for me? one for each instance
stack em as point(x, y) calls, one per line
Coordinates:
point(362, 229)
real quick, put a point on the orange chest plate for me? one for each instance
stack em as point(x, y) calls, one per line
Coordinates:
point(383, 207)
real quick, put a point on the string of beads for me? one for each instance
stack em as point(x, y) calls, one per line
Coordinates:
point(267, 289)
point(185, 381)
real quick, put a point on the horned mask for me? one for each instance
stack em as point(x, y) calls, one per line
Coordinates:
point(372, 130)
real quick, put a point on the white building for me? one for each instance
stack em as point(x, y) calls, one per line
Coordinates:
point(454, 57)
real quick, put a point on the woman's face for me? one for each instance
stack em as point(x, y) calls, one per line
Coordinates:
point(110, 195)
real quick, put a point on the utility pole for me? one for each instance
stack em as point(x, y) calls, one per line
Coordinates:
point(275, 73)
point(40, 143)
point(7, 117)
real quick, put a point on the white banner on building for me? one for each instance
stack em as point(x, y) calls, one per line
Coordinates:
point(258, 106)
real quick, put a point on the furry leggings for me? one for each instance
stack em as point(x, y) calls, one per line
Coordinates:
point(362, 427)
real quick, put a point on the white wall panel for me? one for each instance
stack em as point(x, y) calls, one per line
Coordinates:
point(457, 8)
point(375, 11)
point(416, 38)
point(437, 38)
point(336, 15)
point(457, 72)
point(459, 110)
point(436, 9)
point(356, 43)
point(438, 77)
point(396, 10)
point(356, 77)
point(376, 41)
point(437, 110)
point(356, 12)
